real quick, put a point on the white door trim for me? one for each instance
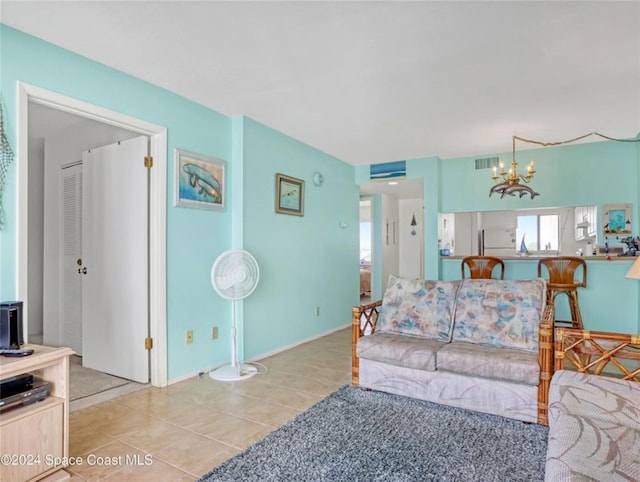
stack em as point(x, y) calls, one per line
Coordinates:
point(157, 208)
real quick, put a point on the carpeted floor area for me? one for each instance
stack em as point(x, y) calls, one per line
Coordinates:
point(85, 381)
point(88, 387)
point(357, 435)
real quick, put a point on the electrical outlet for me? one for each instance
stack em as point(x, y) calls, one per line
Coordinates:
point(189, 337)
point(214, 333)
point(317, 311)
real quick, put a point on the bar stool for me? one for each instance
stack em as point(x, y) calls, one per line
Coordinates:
point(562, 270)
point(482, 266)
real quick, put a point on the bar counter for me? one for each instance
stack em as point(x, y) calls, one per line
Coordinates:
point(602, 257)
point(609, 302)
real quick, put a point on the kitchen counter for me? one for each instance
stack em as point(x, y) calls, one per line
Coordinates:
point(608, 303)
point(537, 257)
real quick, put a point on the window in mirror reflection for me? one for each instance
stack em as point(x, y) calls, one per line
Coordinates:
point(538, 233)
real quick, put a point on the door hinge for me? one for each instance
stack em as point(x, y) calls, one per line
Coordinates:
point(148, 161)
point(148, 343)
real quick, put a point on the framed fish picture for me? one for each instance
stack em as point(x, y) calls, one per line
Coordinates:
point(200, 181)
point(289, 195)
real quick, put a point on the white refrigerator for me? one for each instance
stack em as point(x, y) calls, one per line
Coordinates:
point(497, 242)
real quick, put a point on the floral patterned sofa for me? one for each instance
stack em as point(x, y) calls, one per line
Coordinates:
point(479, 344)
point(594, 420)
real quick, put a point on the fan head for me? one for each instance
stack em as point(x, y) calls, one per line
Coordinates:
point(235, 274)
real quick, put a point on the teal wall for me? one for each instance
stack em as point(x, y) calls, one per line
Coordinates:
point(608, 303)
point(303, 260)
point(194, 236)
point(306, 262)
point(570, 175)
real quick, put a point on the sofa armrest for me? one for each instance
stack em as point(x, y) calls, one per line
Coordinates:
point(593, 351)
point(545, 359)
point(364, 319)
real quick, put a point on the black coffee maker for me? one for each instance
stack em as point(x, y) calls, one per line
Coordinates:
point(11, 336)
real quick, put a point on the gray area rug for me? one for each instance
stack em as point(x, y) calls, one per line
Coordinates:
point(357, 435)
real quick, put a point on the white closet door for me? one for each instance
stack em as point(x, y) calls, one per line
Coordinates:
point(115, 247)
point(71, 258)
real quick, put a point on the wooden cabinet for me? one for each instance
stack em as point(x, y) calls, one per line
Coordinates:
point(34, 439)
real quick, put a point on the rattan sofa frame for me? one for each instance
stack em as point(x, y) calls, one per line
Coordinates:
point(364, 320)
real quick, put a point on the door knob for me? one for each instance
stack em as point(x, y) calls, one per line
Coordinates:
point(84, 270)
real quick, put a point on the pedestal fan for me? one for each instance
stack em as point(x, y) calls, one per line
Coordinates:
point(234, 276)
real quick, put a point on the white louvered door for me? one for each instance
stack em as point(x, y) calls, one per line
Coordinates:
point(71, 259)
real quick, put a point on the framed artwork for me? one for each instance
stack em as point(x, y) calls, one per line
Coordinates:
point(289, 195)
point(388, 171)
point(617, 219)
point(200, 181)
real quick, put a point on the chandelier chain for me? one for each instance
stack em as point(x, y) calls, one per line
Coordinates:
point(559, 143)
point(511, 179)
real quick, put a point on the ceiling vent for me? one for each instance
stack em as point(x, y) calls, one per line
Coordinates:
point(487, 163)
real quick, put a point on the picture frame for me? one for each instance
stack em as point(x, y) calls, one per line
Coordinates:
point(617, 219)
point(289, 195)
point(386, 171)
point(200, 181)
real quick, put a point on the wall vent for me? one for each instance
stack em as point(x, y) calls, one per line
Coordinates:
point(487, 163)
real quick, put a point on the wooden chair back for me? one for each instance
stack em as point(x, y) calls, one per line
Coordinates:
point(481, 267)
point(562, 272)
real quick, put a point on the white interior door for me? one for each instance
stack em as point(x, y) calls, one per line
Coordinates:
point(115, 254)
point(71, 257)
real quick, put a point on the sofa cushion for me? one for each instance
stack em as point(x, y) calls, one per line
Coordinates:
point(594, 428)
point(418, 307)
point(488, 361)
point(502, 313)
point(399, 350)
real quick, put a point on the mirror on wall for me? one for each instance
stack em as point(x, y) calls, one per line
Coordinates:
point(366, 252)
point(564, 231)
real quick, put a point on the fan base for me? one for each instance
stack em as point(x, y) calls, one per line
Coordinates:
point(232, 373)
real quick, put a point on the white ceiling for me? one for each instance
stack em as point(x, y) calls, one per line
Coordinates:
point(374, 81)
point(44, 121)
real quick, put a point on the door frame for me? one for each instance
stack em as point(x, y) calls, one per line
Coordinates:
point(157, 207)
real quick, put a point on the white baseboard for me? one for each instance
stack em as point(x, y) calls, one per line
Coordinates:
point(206, 370)
point(203, 371)
point(298, 343)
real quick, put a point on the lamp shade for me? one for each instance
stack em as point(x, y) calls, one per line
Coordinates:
point(634, 271)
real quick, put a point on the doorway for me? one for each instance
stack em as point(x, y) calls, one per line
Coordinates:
point(366, 250)
point(397, 225)
point(64, 139)
point(27, 209)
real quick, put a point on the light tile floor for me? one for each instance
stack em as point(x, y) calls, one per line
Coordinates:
point(182, 431)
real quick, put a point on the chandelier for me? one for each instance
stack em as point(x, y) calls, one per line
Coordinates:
point(511, 179)
point(510, 184)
